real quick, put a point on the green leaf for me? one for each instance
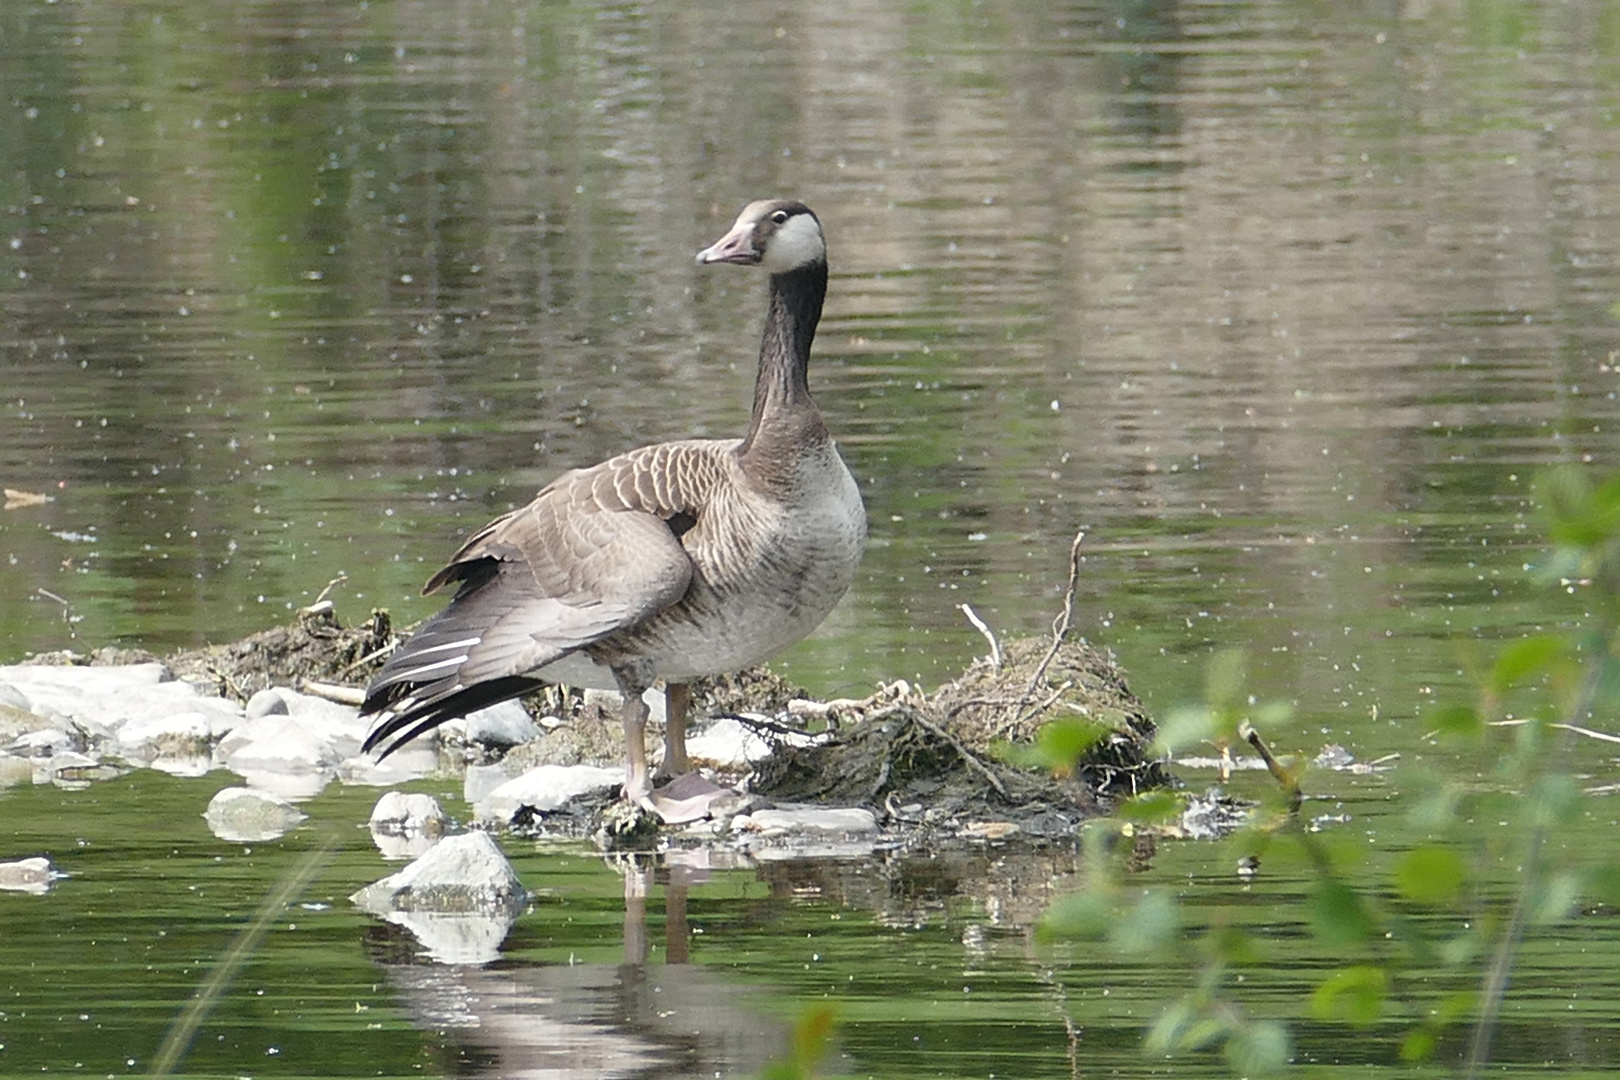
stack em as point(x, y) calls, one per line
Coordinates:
point(1151, 924)
point(1063, 742)
point(1418, 1046)
point(1462, 721)
point(1225, 678)
point(1430, 874)
point(1259, 1049)
point(1337, 915)
point(812, 1039)
point(1354, 994)
point(1165, 1036)
point(1088, 914)
point(1150, 808)
point(1556, 898)
point(1184, 726)
point(1530, 657)
point(1555, 800)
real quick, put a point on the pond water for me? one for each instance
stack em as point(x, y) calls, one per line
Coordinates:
point(1284, 304)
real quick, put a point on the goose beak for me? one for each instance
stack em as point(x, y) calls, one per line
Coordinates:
point(737, 246)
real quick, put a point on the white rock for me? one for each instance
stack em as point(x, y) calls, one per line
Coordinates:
point(505, 724)
point(289, 785)
point(544, 788)
point(400, 812)
point(103, 699)
point(612, 702)
point(10, 695)
point(27, 875)
point(44, 743)
point(190, 766)
point(459, 874)
point(781, 821)
point(276, 743)
point(419, 758)
point(266, 702)
point(727, 743)
point(192, 726)
point(478, 781)
point(247, 815)
point(100, 681)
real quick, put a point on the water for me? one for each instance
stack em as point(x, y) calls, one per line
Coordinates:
point(1284, 305)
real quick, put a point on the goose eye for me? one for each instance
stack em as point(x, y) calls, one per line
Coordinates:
point(780, 217)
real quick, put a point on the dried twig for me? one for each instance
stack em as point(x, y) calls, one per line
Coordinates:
point(1060, 628)
point(966, 754)
point(822, 710)
point(343, 695)
point(1588, 732)
point(979, 625)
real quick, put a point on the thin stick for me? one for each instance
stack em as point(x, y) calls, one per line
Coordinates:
point(979, 625)
point(1060, 625)
point(966, 754)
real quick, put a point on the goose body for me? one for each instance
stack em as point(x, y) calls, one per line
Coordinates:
point(672, 561)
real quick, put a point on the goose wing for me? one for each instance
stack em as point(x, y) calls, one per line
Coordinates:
point(596, 552)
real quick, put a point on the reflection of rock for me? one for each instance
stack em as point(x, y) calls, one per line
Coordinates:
point(459, 874)
point(27, 875)
point(15, 770)
point(471, 939)
point(248, 815)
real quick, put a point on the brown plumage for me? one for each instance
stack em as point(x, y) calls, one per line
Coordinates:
point(671, 561)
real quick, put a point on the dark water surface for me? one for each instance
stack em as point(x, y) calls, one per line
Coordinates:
point(1284, 303)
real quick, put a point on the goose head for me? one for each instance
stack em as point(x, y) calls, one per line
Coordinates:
point(777, 235)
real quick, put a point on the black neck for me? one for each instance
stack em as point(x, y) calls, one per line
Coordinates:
point(784, 352)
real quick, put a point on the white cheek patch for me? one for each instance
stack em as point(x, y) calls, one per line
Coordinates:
point(797, 243)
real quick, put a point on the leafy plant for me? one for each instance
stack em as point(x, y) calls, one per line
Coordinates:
point(1382, 948)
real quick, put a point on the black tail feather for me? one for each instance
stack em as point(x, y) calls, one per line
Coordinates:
point(435, 709)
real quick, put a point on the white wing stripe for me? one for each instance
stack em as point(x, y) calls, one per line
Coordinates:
point(462, 644)
point(416, 672)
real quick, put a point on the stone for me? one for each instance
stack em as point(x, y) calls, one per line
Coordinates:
point(504, 725)
point(544, 788)
point(175, 732)
point(248, 815)
point(727, 743)
point(785, 820)
point(399, 812)
point(266, 702)
point(276, 743)
point(45, 743)
point(27, 875)
point(459, 875)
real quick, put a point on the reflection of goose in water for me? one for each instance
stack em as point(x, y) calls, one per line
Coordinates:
point(597, 1019)
point(673, 561)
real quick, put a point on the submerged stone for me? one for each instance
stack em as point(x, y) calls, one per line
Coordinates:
point(248, 815)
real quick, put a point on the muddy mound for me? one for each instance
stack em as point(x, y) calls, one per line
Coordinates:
point(314, 648)
point(943, 758)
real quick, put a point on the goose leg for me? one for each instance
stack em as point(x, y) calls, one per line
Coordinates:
point(637, 780)
point(678, 702)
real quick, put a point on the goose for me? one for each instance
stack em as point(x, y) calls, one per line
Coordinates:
point(672, 561)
